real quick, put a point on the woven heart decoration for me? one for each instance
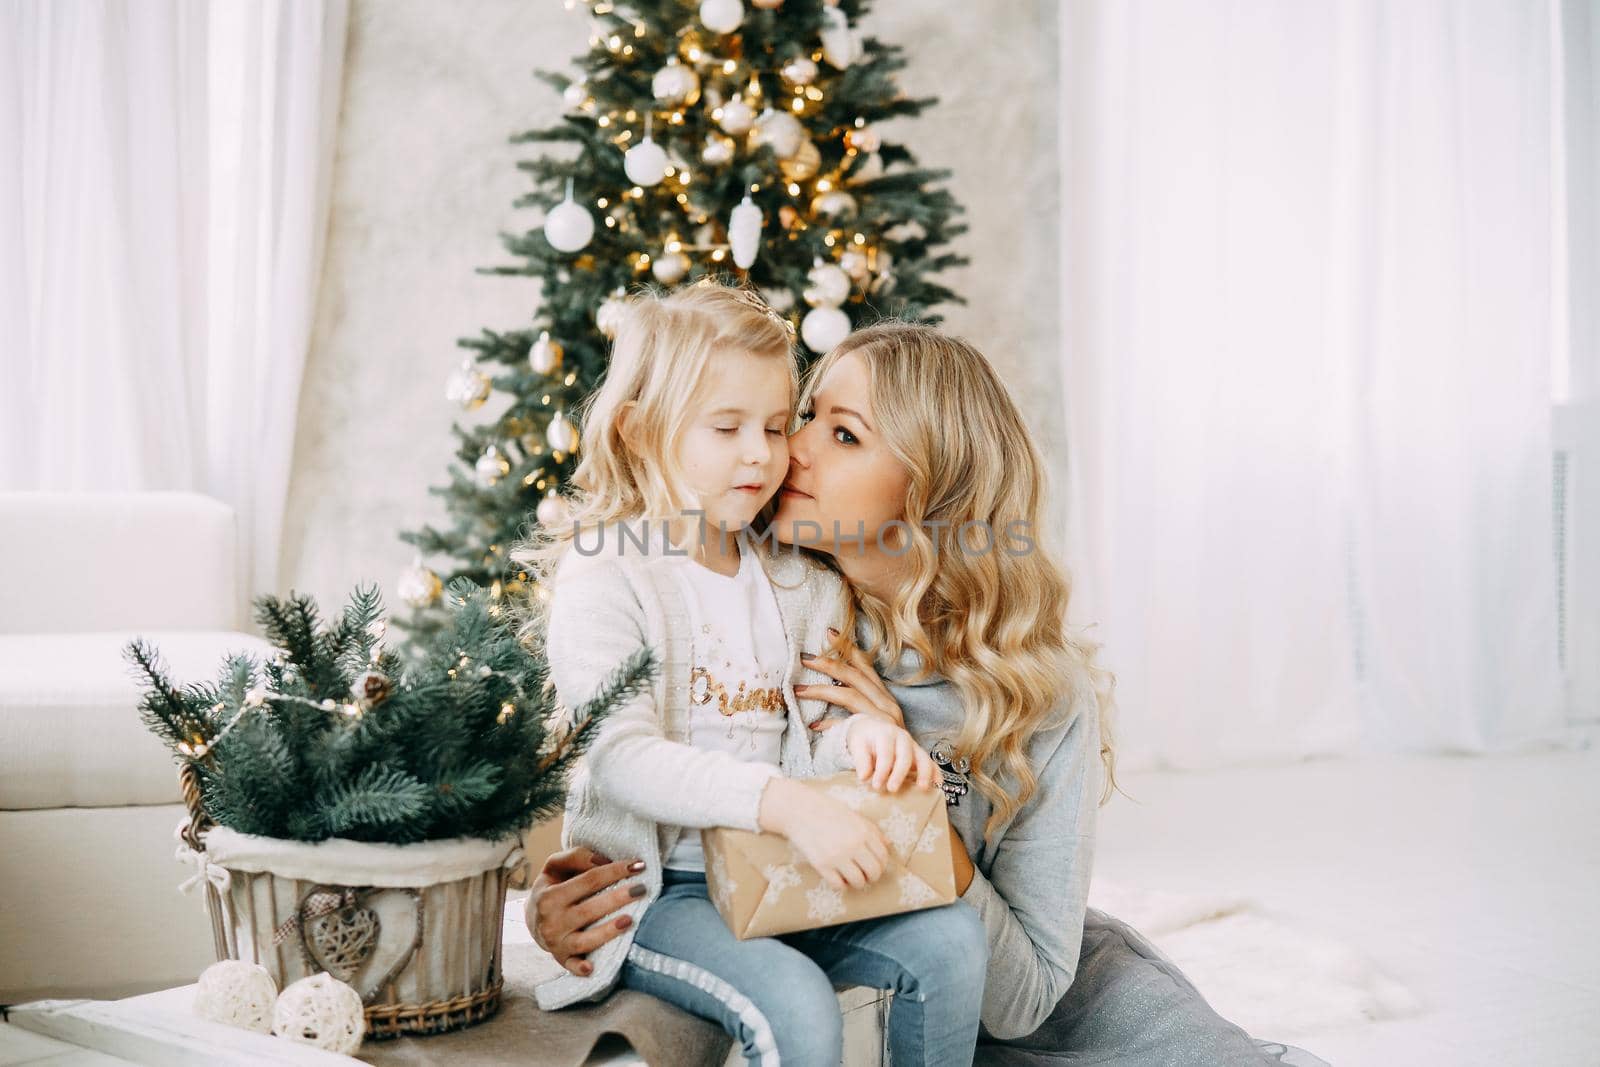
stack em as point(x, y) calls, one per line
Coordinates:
point(341, 939)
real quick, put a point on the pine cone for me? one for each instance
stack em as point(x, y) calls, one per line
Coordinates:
point(371, 688)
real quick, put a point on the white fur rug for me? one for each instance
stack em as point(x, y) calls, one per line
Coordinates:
point(1273, 979)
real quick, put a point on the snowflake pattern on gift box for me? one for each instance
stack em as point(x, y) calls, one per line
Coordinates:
point(914, 892)
point(900, 827)
point(824, 904)
point(724, 883)
point(851, 796)
point(781, 876)
point(929, 841)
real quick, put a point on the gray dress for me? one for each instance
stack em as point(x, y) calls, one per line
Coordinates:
point(1066, 983)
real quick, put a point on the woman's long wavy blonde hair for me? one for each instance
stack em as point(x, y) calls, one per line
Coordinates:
point(661, 354)
point(992, 623)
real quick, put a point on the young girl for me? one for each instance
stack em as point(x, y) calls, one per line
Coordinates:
point(683, 445)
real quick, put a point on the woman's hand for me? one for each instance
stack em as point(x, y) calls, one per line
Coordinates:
point(856, 686)
point(570, 898)
point(887, 754)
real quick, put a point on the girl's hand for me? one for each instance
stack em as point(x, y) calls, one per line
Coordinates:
point(857, 687)
point(886, 754)
point(845, 848)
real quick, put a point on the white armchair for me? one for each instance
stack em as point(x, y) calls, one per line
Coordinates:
point(88, 797)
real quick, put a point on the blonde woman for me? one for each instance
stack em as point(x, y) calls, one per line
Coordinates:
point(911, 455)
point(683, 446)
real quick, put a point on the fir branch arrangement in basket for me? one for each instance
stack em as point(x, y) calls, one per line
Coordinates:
point(457, 734)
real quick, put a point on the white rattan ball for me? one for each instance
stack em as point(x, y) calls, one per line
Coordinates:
point(320, 1011)
point(237, 993)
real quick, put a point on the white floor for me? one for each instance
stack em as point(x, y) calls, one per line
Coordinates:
point(1472, 881)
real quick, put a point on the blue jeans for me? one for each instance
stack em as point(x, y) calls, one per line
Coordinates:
point(775, 995)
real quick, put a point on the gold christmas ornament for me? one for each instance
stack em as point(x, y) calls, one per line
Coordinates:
point(468, 386)
point(544, 356)
point(419, 586)
point(862, 139)
point(803, 164)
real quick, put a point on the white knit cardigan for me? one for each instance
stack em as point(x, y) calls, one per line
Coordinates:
point(640, 782)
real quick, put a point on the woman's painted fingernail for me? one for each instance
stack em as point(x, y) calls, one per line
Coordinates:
point(638, 891)
point(833, 632)
point(585, 969)
point(624, 922)
point(636, 866)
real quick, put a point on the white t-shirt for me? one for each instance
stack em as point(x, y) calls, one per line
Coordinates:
point(739, 657)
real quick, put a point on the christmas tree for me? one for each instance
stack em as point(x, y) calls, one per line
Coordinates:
point(710, 140)
point(338, 735)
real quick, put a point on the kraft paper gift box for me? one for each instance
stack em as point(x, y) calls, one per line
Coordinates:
point(762, 886)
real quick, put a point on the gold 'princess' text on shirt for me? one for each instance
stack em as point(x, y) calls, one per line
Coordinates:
point(703, 685)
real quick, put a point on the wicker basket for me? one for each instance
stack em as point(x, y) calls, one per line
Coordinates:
point(415, 929)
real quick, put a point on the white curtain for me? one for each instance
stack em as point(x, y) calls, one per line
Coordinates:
point(164, 177)
point(1309, 320)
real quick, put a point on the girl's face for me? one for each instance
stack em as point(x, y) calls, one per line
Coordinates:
point(733, 452)
point(844, 484)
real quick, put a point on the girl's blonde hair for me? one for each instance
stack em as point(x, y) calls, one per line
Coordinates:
point(660, 356)
point(991, 622)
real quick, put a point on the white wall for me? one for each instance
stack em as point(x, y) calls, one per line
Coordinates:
point(424, 181)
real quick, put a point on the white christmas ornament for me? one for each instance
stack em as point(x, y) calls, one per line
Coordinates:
point(467, 386)
point(491, 467)
point(737, 117)
point(823, 328)
point(868, 167)
point(781, 130)
point(744, 232)
point(718, 150)
point(827, 287)
point(675, 84)
point(799, 71)
point(544, 356)
point(238, 993)
point(609, 316)
point(835, 203)
point(863, 139)
point(853, 262)
point(320, 1011)
point(645, 162)
point(839, 45)
point(670, 267)
point(721, 16)
point(419, 586)
point(780, 300)
point(551, 510)
point(562, 435)
point(569, 226)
